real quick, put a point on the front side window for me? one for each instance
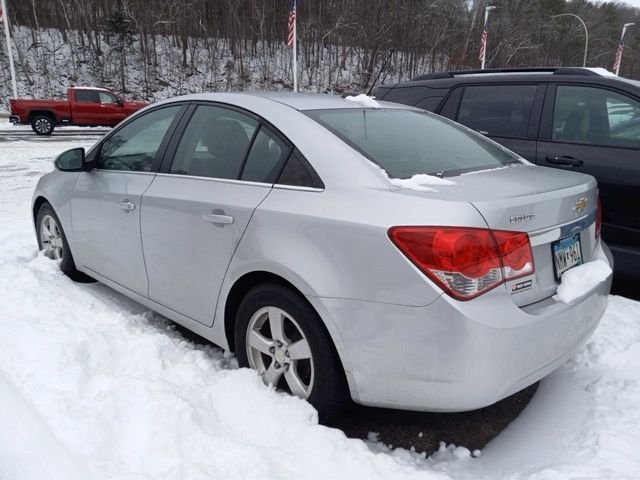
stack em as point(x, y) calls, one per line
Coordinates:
point(409, 142)
point(214, 144)
point(106, 97)
point(134, 146)
point(498, 110)
point(595, 116)
point(87, 96)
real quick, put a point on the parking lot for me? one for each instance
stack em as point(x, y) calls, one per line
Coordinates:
point(63, 337)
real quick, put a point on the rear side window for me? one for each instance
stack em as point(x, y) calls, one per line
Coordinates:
point(407, 95)
point(87, 96)
point(299, 173)
point(430, 104)
point(215, 143)
point(595, 116)
point(266, 158)
point(409, 142)
point(497, 110)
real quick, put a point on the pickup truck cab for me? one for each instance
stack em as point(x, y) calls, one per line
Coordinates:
point(84, 106)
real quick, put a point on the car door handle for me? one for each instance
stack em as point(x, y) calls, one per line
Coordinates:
point(217, 218)
point(127, 206)
point(566, 161)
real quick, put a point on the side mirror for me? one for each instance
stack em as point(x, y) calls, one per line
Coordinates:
point(120, 102)
point(71, 160)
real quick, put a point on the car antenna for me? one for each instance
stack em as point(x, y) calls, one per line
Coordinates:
point(384, 65)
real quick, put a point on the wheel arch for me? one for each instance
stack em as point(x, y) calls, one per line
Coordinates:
point(249, 280)
point(35, 112)
point(37, 203)
point(240, 288)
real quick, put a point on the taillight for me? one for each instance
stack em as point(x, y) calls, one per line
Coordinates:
point(599, 218)
point(465, 262)
point(515, 252)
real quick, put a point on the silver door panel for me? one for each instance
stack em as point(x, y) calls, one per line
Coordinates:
point(106, 225)
point(190, 229)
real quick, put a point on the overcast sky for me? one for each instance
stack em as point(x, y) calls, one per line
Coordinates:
point(633, 3)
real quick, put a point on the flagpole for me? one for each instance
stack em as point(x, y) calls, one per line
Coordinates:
point(621, 47)
point(486, 19)
point(295, 50)
point(5, 18)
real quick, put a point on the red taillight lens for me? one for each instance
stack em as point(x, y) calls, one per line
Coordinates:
point(599, 218)
point(516, 254)
point(465, 262)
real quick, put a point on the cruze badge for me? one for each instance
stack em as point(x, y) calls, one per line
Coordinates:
point(580, 206)
point(525, 217)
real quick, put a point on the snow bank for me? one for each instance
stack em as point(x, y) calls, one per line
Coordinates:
point(419, 182)
point(109, 390)
point(363, 100)
point(581, 279)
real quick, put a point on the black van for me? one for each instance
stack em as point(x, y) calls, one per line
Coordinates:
point(581, 119)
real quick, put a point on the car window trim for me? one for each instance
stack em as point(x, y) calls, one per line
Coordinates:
point(214, 179)
point(546, 125)
point(530, 128)
point(284, 186)
point(155, 165)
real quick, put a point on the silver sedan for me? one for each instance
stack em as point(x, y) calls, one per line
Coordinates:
point(343, 249)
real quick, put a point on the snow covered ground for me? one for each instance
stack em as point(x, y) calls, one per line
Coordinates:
point(92, 386)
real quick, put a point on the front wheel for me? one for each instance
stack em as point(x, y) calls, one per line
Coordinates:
point(53, 242)
point(42, 125)
point(279, 334)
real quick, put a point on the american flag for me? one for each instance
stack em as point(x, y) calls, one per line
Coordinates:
point(483, 40)
point(291, 36)
point(616, 64)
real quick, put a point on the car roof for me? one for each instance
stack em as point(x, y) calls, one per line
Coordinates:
point(597, 76)
point(297, 100)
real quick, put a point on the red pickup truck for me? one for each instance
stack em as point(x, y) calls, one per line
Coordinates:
point(85, 106)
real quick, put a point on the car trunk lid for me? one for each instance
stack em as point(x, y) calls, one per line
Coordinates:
point(548, 204)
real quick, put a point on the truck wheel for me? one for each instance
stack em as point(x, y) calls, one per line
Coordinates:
point(42, 125)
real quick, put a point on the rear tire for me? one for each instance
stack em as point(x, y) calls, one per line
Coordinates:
point(297, 357)
point(42, 125)
point(53, 241)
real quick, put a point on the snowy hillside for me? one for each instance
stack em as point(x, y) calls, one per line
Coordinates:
point(48, 61)
point(94, 386)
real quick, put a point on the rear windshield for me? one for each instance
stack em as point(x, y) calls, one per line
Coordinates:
point(409, 142)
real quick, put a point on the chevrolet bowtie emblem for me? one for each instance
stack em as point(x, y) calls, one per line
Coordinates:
point(580, 206)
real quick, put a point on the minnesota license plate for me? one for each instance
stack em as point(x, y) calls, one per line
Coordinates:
point(567, 253)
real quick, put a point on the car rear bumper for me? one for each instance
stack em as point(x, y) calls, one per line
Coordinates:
point(456, 356)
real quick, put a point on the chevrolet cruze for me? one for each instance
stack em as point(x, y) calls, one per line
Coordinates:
point(342, 249)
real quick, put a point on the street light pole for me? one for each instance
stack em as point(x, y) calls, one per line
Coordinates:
point(485, 34)
point(621, 46)
point(586, 34)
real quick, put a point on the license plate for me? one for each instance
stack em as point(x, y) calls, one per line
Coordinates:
point(567, 253)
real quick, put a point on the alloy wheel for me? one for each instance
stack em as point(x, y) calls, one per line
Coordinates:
point(279, 350)
point(51, 238)
point(42, 125)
